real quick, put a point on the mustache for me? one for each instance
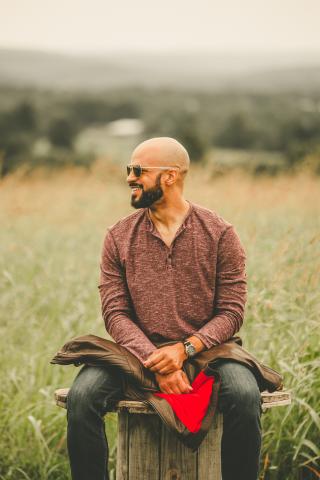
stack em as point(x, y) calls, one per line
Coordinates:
point(133, 184)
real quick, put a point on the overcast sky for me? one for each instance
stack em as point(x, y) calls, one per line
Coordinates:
point(104, 26)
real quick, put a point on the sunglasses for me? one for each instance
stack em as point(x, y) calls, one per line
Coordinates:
point(138, 169)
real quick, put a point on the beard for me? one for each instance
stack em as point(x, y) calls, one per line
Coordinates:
point(148, 197)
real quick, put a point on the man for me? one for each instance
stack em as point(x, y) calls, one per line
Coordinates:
point(170, 271)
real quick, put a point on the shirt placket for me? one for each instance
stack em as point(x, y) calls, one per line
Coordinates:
point(169, 250)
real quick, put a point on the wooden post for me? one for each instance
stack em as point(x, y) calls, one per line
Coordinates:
point(147, 450)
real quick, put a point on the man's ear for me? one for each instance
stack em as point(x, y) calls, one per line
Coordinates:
point(171, 177)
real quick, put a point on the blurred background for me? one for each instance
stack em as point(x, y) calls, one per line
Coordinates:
point(238, 84)
point(81, 84)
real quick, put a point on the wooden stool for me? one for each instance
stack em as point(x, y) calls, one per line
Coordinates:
point(147, 450)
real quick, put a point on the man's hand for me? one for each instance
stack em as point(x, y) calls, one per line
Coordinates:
point(175, 382)
point(167, 359)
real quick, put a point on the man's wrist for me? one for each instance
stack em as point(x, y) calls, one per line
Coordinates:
point(197, 343)
point(183, 351)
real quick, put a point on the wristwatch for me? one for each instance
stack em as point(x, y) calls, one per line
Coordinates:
point(189, 349)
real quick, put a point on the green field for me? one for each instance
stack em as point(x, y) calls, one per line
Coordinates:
point(51, 236)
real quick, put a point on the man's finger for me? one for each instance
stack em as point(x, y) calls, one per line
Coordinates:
point(162, 367)
point(158, 365)
point(186, 379)
point(184, 388)
point(166, 370)
point(176, 390)
point(169, 391)
point(175, 387)
point(185, 385)
point(181, 388)
point(166, 389)
point(153, 359)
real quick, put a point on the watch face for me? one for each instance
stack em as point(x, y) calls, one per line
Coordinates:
point(191, 351)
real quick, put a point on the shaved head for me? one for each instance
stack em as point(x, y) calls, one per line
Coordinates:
point(159, 182)
point(162, 151)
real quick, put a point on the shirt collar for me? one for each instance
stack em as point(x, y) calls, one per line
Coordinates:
point(185, 224)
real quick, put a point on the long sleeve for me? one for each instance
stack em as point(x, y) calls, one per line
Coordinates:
point(231, 292)
point(116, 304)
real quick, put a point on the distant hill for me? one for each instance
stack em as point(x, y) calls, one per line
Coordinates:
point(182, 70)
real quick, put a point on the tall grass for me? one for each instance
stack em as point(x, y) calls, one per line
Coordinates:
point(51, 236)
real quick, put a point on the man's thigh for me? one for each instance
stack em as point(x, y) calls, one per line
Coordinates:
point(97, 387)
point(239, 389)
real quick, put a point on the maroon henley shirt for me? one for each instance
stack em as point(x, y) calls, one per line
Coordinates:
point(152, 293)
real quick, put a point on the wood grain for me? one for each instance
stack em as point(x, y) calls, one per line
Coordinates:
point(144, 441)
point(209, 453)
point(123, 446)
point(177, 461)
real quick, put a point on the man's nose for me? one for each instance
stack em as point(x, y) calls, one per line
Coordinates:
point(131, 176)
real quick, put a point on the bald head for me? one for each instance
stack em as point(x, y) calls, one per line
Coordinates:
point(162, 151)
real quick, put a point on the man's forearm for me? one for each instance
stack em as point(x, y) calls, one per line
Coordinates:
point(125, 332)
point(219, 329)
point(230, 292)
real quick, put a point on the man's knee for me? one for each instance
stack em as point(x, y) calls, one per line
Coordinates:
point(247, 401)
point(91, 392)
point(239, 390)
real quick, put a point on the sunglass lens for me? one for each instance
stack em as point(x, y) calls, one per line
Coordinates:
point(135, 168)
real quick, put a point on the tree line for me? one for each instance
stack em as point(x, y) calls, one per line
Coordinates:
point(288, 123)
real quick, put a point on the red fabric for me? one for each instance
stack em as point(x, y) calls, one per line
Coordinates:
point(191, 408)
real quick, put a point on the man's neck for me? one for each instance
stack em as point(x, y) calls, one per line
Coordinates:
point(169, 214)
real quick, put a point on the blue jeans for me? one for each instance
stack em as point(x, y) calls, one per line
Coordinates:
point(95, 389)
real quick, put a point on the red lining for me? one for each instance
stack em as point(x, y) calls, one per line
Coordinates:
point(191, 408)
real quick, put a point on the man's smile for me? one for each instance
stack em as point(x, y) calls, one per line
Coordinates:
point(135, 187)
